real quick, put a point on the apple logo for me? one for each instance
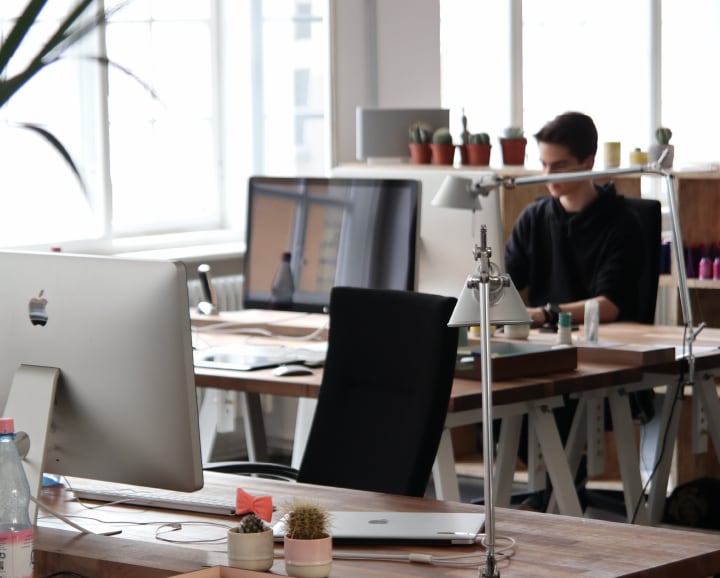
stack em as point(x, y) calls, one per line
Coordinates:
point(37, 309)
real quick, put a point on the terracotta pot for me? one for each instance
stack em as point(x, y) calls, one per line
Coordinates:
point(478, 154)
point(308, 558)
point(443, 154)
point(250, 551)
point(513, 150)
point(420, 153)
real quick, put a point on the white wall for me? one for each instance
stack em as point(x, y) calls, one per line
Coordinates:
point(383, 53)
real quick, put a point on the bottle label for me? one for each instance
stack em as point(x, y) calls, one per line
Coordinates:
point(16, 554)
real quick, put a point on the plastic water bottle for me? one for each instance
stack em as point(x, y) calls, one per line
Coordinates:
point(283, 286)
point(16, 531)
point(592, 320)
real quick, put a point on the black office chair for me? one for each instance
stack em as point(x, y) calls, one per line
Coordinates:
point(384, 394)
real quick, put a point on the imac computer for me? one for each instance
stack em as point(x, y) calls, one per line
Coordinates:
point(359, 232)
point(97, 368)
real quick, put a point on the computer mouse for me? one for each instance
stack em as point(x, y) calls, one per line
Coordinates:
point(291, 369)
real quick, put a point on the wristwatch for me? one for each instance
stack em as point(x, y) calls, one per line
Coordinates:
point(552, 313)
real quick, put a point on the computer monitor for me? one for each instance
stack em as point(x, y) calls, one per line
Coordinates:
point(116, 335)
point(340, 231)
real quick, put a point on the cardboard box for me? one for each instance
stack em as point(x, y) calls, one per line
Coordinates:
point(511, 359)
point(223, 572)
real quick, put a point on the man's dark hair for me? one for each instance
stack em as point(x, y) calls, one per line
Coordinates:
point(574, 130)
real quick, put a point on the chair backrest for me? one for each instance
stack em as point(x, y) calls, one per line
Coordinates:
point(385, 391)
point(648, 212)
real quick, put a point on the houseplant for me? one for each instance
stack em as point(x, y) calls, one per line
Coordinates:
point(443, 150)
point(478, 149)
point(420, 136)
point(513, 143)
point(307, 540)
point(81, 20)
point(250, 544)
point(663, 136)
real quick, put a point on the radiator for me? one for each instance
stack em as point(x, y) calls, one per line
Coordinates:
point(228, 290)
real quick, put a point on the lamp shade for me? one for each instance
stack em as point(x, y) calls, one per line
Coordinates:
point(457, 193)
point(507, 309)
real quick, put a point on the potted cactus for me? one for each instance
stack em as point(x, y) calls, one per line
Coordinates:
point(478, 149)
point(307, 540)
point(663, 136)
point(443, 149)
point(513, 143)
point(420, 135)
point(250, 544)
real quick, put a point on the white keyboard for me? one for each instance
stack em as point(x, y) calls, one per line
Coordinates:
point(161, 499)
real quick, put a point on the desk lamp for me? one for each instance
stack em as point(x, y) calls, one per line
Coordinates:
point(486, 292)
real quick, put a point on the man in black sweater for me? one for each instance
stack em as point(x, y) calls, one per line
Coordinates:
point(581, 242)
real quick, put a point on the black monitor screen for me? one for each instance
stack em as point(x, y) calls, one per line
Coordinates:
point(339, 231)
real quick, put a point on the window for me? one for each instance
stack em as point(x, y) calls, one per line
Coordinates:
point(233, 81)
point(579, 55)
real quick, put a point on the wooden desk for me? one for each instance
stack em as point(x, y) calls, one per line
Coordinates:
point(513, 399)
point(546, 546)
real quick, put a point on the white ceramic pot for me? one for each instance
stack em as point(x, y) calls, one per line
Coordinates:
point(308, 558)
point(250, 551)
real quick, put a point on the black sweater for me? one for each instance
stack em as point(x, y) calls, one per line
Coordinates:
point(563, 257)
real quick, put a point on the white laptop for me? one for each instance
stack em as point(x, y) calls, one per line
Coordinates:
point(442, 528)
point(243, 357)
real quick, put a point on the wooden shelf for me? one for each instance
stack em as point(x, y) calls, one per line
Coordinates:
point(670, 281)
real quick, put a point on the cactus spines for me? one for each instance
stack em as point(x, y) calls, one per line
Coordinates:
point(442, 136)
point(306, 521)
point(663, 135)
point(480, 138)
point(251, 524)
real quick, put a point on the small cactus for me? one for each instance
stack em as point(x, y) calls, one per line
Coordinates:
point(420, 133)
point(663, 135)
point(306, 521)
point(442, 136)
point(514, 133)
point(251, 524)
point(465, 134)
point(480, 138)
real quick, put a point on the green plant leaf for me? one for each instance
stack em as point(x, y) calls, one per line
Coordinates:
point(58, 146)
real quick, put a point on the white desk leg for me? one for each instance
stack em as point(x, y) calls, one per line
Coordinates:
point(208, 418)
point(507, 451)
point(628, 458)
point(303, 422)
point(670, 421)
point(445, 478)
point(707, 392)
point(576, 441)
point(543, 421)
point(254, 425)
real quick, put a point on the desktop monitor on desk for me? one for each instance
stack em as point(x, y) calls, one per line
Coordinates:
point(354, 232)
point(124, 406)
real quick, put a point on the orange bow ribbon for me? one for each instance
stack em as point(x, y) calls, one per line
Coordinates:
point(261, 506)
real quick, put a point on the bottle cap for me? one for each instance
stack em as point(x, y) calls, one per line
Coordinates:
point(7, 425)
point(564, 319)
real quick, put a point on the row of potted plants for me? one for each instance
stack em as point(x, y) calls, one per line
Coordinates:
point(436, 147)
point(307, 542)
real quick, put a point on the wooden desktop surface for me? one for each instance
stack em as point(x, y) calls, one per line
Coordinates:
point(546, 545)
point(466, 393)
